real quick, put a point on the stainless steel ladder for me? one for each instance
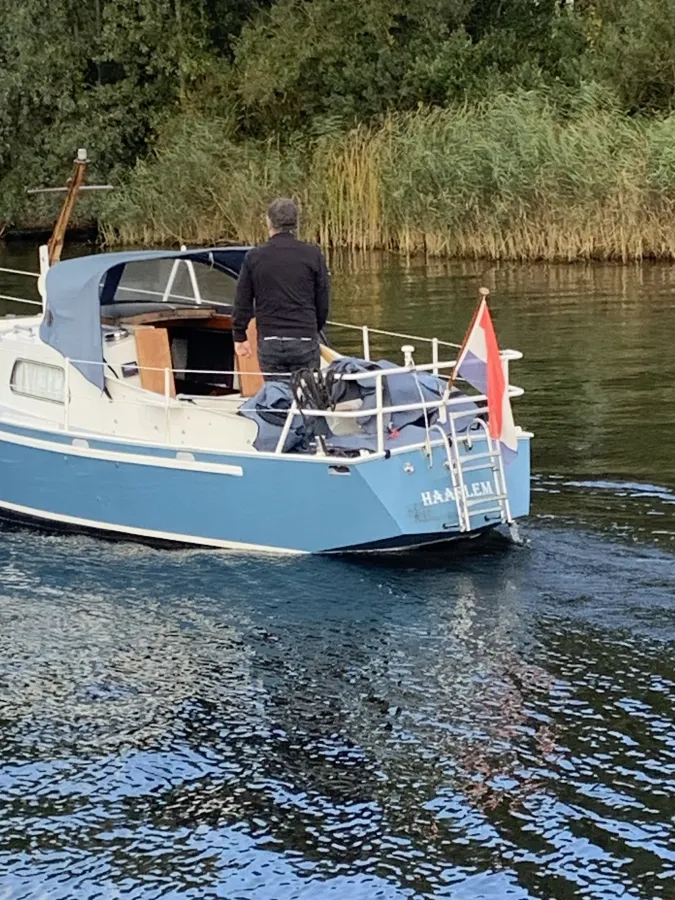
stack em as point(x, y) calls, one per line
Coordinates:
point(459, 465)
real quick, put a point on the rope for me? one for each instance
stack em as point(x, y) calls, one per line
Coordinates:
point(309, 388)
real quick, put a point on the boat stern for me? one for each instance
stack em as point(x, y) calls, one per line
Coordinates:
point(429, 499)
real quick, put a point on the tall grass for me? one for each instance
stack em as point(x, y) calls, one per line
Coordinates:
point(513, 178)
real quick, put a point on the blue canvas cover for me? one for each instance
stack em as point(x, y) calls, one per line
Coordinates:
point(74, 289)
point(269, 409)
point(402, 389)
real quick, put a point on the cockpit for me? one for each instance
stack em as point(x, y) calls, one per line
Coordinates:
point(179, 312)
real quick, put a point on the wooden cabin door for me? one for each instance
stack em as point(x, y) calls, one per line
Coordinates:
point(154, 356)
point(250, 379)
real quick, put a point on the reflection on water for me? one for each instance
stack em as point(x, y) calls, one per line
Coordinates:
point(186, 722)
point(497, 723)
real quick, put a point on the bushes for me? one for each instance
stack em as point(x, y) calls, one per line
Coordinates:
point(201, 187)
point(510, 178)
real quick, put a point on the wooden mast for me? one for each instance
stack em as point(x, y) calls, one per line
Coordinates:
point(55, 245)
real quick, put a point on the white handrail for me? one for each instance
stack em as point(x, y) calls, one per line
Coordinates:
point(365, 339)
point(20, 300)
point(513, 390)
point(361, 413)
point(287, 427)
point(379, 412)
point(19, 272)
point(403, 407)
point(167, 404)
point(380, 416)
point(398, 370)
point(398, 334)
point(454, 407)
point(434, 355)
point(349, 376)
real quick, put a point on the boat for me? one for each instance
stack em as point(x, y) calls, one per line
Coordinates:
point(124, 411)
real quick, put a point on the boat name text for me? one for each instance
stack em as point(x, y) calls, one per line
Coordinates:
point(479, 489)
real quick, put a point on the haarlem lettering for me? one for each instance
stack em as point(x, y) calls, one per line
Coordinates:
point(478, 489)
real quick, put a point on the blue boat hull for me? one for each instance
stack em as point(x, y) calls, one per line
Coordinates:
point(248, 502)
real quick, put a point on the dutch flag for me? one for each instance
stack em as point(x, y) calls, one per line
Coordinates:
point(480, 365)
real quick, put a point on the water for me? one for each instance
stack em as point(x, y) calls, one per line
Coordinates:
point(493, 724)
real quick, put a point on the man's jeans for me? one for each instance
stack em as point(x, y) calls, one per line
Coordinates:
point(282, 356)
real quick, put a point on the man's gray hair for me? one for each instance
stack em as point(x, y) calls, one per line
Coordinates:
point(283, 214)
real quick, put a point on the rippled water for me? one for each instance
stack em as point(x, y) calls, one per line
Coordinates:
point(496, 723)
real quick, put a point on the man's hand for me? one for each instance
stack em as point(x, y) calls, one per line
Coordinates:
point(243, 348)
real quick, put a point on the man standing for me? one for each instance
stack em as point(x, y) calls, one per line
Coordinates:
point(284, 284)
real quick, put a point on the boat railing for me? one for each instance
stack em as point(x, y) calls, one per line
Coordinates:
point(14, 299)
point(366, 331)
point(449, 406)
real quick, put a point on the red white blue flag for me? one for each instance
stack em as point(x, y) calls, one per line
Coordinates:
point(480, 364)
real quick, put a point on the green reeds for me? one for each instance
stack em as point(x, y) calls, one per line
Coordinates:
point(513, 178)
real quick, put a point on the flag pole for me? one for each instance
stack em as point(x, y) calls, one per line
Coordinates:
point(483, 294)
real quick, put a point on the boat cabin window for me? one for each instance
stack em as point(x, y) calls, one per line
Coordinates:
point(173, 281)
point(37, 380)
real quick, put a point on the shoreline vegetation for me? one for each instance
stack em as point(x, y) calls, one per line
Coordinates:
point(506, 179)
point(471, 129)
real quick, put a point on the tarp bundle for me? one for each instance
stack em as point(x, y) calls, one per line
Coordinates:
point(269, 409)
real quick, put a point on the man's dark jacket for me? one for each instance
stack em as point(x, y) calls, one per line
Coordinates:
point(284, 284)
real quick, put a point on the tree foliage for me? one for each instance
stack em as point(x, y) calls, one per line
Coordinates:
point(114, 75)
point(352, 59)
point(633, 49)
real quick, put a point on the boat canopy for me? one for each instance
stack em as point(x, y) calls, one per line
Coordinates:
point(77, 288)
